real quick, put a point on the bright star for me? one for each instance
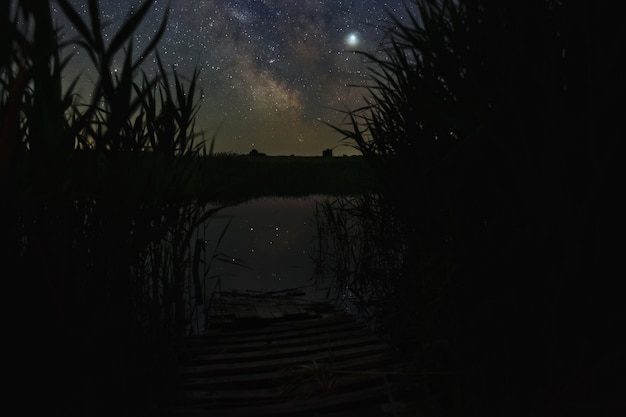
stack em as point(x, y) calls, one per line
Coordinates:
point(352, 39)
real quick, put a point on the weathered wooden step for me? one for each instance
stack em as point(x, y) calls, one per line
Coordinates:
point(294, 340)
point(262, 327)
point(287, 360)
point(315, 405)
point(264, 365)
point(268, 352)
point(377, 361)
point(272, 332)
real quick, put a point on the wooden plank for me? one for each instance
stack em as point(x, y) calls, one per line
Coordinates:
point(294, 340)
point(273, 328)
point(232, 306)
point(289, 351)
point(377, 361)
point(283, 392)
point(267, 311)
point(292, 310)
point(247, 314)
point(232, 338)
point(343, 401)
point(293, 384)
point(258, 366)
point(233, 396)
point(215, 342)
point(271, 367)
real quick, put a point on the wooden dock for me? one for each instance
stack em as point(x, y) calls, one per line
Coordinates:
point(284, 356)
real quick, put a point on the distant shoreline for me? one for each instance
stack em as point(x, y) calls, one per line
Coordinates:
point(156, 176)
point(264, 175)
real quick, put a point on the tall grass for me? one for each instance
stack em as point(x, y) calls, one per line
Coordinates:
point(98, 216)
point(491, 127)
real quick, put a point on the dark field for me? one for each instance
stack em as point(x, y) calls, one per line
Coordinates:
point(134, 177)
point(254, 176)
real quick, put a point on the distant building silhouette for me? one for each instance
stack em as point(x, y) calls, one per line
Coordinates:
point(254, 152)
point(327, 152)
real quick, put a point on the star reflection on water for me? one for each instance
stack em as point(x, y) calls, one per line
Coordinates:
point(269, 243)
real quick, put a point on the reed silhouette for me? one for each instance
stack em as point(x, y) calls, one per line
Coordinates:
point(98, 214)
point(491, 128)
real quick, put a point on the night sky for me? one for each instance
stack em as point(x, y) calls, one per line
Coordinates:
point(270, 71)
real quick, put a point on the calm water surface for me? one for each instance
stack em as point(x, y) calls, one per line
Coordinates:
point(274, 237)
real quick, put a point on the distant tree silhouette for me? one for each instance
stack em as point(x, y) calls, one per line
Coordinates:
point(254, 152)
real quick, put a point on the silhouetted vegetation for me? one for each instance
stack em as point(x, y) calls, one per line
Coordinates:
point(96, 235)
point(487, 256)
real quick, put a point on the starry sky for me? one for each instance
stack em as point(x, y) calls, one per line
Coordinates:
point(271, 71)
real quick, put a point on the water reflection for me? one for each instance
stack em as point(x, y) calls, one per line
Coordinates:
point(273, 236)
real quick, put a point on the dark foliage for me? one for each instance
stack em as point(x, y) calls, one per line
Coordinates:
point(95, 247)
point(493, 127)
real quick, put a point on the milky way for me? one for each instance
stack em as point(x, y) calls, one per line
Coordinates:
point(271, 72)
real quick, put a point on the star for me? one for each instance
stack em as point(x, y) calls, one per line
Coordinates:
point(352, 39)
